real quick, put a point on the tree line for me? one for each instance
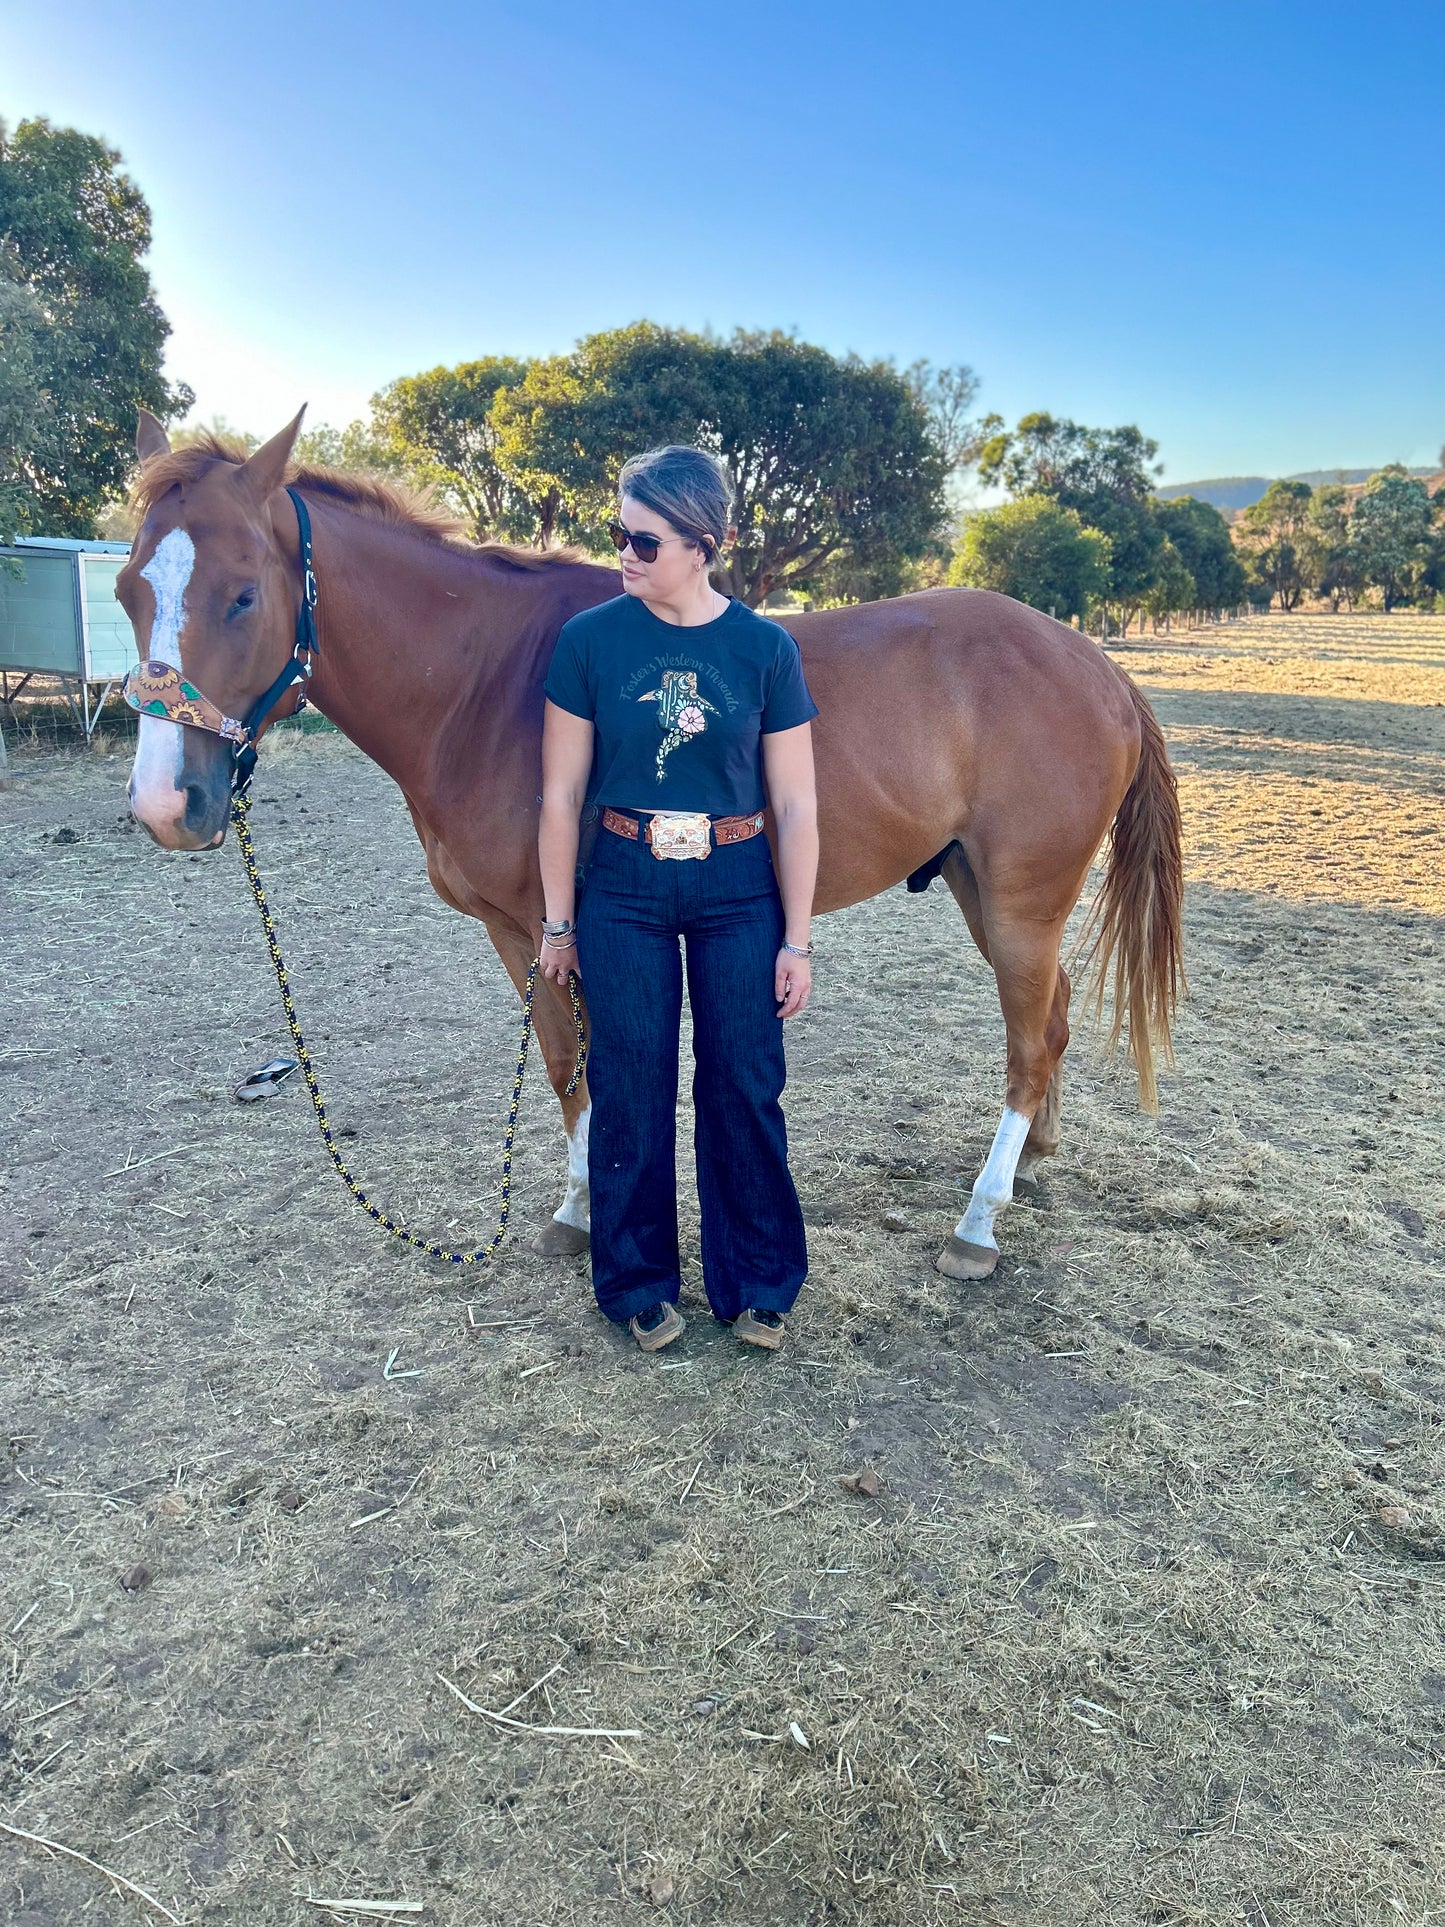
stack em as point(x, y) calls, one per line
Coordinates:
point(1339, 543)
point(848, 473)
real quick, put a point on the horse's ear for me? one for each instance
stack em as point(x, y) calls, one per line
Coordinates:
point(150, 437)
point(264, 472)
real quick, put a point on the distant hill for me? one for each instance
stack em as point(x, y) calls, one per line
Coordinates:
point(1242, 491)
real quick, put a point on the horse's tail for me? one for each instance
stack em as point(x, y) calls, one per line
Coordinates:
point(1134, 931)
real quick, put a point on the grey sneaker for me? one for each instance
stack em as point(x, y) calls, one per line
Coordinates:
point(657, 1326)
point(765, 1328)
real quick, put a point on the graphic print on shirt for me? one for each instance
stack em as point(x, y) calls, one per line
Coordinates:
point(680, 712)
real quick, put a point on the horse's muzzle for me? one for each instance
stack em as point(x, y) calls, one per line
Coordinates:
point(192, 810)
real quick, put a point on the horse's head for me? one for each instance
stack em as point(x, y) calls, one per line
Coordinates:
point(211, 590)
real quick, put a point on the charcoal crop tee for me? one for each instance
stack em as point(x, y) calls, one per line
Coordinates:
point(678, 713)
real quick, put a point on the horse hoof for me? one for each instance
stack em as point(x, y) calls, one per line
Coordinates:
point(959, 1259)
point(556, 1240)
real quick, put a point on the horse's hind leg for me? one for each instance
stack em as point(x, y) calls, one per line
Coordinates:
point(1043, 1138)
point(1034, 997)
point(1043, 1134)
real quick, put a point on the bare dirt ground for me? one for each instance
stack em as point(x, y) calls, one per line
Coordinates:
point(1144, 1624)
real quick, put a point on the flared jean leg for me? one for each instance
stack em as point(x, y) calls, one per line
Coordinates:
point(753, 1243)
point(632, 974)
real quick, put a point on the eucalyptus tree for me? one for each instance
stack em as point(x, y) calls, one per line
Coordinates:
point(74, 229)
point(1036, 551)
point(440, 428)
point(1391, 530)
point(1105, 475)
point(835, 461)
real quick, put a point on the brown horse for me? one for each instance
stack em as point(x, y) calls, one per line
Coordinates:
point(959, 734)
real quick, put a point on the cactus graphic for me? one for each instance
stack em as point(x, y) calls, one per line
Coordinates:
point(680, 711)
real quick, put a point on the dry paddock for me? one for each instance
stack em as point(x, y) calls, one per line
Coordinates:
point(1144, 1623)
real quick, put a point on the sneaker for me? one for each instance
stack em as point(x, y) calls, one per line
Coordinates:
point(657, 1326)
point(765, 1328)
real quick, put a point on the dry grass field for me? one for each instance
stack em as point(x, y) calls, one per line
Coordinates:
point(1145, 1625)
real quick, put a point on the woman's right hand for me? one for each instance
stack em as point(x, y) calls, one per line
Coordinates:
point(556, 963)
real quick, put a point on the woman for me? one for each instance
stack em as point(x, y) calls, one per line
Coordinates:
point(680, 714)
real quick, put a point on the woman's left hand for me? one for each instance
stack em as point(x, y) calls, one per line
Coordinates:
point(792, 983)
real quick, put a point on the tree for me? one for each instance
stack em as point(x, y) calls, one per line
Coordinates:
point(1048, 456)
point(358, 446)
point(1338, 564)
point(1174, 586)
point(946, 396)
point(440, 428)
point(27, 423)
point(1106, 475)
point(1435, 569)
point(1200, 538)
point(221, 429)
point(1282, 541)
point(833, 461)
point(73, 229)
point(1037, 552)
point(1391, 527)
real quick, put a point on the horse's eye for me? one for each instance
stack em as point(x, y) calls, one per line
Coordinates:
point(245, 601)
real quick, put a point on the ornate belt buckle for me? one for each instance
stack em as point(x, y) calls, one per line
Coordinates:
point(680, 833)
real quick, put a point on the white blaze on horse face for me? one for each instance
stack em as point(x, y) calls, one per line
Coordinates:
point(156, 775)
point(576, 1207)
point(993, 1188)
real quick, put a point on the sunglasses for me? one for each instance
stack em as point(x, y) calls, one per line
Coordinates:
point(644, 546)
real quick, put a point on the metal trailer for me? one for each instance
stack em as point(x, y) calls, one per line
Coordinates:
point(59, 617)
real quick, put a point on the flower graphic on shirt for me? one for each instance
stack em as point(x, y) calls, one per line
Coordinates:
point(680, 712)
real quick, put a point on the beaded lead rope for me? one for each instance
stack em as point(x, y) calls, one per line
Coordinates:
point(239, 807)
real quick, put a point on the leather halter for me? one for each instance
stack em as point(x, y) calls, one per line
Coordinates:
point(160, 689)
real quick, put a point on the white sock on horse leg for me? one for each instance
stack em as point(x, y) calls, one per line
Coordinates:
point(576, 1207)
point(993, 1188)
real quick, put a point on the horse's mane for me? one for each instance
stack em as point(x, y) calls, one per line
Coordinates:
point(390, 502)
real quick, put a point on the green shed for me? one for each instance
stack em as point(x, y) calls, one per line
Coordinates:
point(59, 617)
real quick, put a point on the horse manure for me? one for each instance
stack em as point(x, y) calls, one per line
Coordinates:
point(894, 1221)
point(135, 1578)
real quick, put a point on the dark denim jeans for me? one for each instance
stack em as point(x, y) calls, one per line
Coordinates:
point(727, 908)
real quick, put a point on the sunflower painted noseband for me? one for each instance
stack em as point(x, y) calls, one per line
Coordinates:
point(160, 689)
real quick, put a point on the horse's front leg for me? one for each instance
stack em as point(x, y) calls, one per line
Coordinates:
point(568, 1233)
point(570, 1229)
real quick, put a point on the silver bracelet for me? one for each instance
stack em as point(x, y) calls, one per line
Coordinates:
point(798, 950)
point(556, 927)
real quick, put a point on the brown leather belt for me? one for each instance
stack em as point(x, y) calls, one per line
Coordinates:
point(724, 829)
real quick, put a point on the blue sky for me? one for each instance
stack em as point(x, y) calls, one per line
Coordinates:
point(1221, 221)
